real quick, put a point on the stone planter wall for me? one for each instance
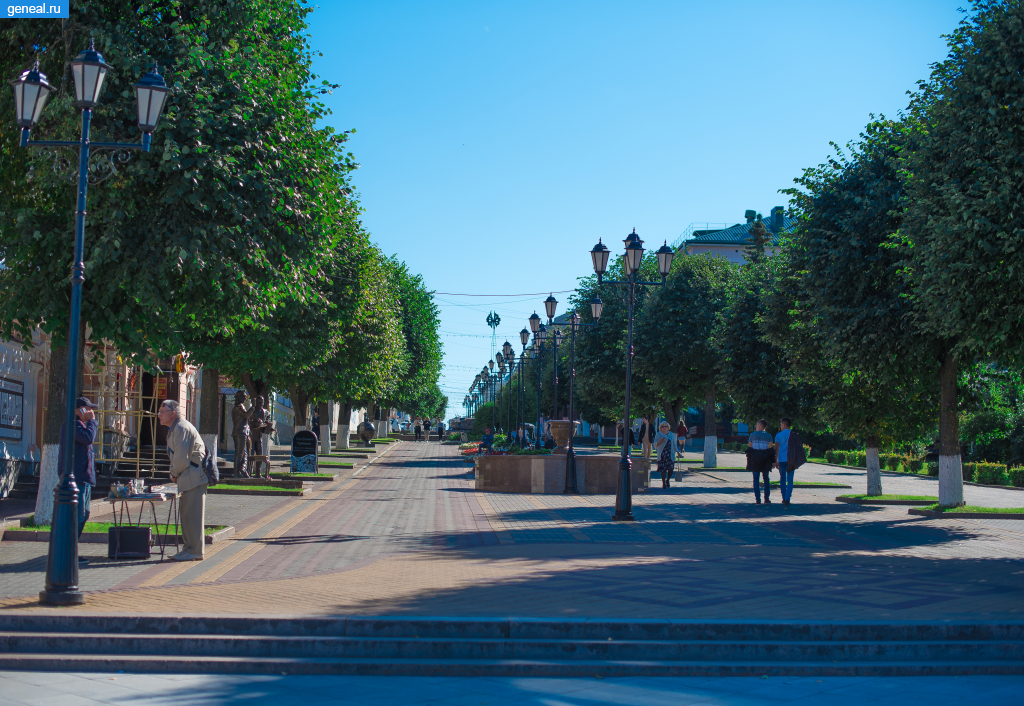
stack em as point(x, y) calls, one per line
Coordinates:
point(595, 475)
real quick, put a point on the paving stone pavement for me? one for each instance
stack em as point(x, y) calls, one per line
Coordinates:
point(76, 689)
point(408, 534)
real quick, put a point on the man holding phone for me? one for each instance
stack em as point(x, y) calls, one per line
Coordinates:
point(83, 470)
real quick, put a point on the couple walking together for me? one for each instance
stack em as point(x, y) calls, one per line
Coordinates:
point(786, 453)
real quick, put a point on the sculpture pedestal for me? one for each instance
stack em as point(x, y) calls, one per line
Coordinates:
point(595, 475)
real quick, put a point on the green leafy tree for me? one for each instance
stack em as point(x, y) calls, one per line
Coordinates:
point(753, 371)
point(601, 351)
point(963, 231)
point(222, 221)
point(677, 350)
point(414, 387)
point(851, 322)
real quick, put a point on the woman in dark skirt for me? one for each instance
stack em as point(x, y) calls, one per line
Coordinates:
point(665, 443)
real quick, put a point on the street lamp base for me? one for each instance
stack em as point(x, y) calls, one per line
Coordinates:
point(61, 597)
point(623, 518)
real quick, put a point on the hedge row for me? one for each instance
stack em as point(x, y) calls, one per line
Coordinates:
point(993, 474)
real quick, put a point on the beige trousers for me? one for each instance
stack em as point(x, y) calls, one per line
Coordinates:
point(192, 511)
point(646, 446)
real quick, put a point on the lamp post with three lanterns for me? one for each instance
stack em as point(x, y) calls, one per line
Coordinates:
point(31, 92)
point(631, 260)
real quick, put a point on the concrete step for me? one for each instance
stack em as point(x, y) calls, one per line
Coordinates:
point(505, 646)
point(761, 651)
point(178, 664)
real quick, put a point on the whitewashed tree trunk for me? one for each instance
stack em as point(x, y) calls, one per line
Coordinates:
point(56, 405)
point(951, 474)
point(49, 476)
point(951, 481)
point(325, 439)
point(710, 430)
point(710, 451)
point(874, 469)
point(343, 436)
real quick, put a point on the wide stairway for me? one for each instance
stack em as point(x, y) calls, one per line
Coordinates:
point(505, 646)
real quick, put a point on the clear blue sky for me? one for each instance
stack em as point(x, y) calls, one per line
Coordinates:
point(498, 141)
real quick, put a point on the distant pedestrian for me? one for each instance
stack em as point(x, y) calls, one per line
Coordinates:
point(646, 436)
point(681, 432)
point(789, 452)
point(417, 427)
point(83, 469)
point(440, 432)
point(426, 430)
point(186, 450)
point(760, 456)
point(665, 443)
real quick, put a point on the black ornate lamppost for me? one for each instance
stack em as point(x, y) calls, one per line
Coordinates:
point(550, 307)
point(631, 260)
point(509, 358)
point(499, 400)
point(31, 91)
point(524, 338)
point(596, 307)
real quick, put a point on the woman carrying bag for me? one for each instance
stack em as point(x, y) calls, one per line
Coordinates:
point(665, 443)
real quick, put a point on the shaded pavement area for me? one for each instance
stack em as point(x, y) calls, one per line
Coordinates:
point(409, 535)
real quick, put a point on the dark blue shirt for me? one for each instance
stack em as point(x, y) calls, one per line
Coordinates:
point(85, 434)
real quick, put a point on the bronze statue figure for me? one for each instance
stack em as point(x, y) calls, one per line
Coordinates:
point(260, 422)
point(240, 434)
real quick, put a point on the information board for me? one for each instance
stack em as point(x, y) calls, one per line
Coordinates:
point(304, 450)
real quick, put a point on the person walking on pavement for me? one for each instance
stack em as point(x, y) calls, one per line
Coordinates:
point(789, 452)
point(417, 427)
point(84, 469)
point(426, 429)
point(665, 443)
point(760, 456)
point(440, 432)
point(681, 432)
point(646, 436)
point(186, 450)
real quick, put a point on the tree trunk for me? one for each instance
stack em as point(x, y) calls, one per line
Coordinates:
point(874, 470)
point(209, 410)
point(256, 387)
point(951, 477)
point(325, 427)
point(300, 403)
point(56, 406)
point(673, 411)
point(344, 418)
point(710, 430)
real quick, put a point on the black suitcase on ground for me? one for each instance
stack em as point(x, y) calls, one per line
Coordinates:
point(129, 542)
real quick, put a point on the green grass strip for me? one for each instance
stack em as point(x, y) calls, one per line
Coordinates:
point(104, 526)
point(805, 484)
point(972, 508)
point(892, 497)
point(250, 488)
point(286, 476)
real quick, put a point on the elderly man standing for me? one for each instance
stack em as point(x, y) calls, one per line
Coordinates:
point(186, 450)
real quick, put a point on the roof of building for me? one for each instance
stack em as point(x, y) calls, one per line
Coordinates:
point(739, 234)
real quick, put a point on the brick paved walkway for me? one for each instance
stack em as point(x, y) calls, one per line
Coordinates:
point(408, 534)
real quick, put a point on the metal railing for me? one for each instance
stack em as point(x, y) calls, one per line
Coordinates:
point(687, 234)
